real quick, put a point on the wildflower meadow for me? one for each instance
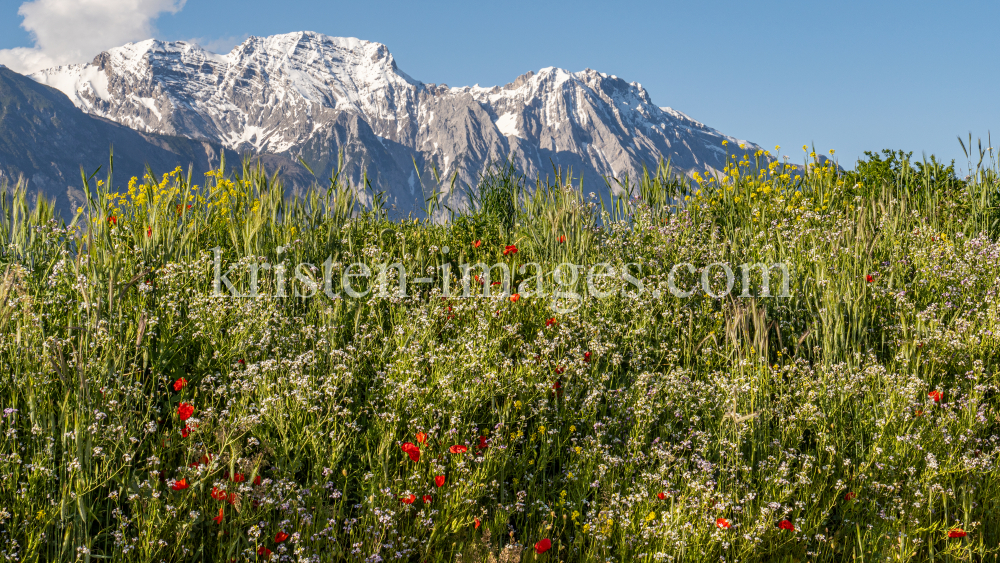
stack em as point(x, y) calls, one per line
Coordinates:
point(185, 377)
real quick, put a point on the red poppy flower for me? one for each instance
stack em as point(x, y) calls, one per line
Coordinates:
point(421, 437)
point(515, 297)
point(241, 362)
point(264, 552)
point(478, 279)
point(185, 411)
point(439, 480)
point(850, 496)
point(509, 249)
point(562, 239)
point(722, 524)
point(543, 546)
point(661, 495)
point(869, 278)
point(239, 478)
point(476, 523)
point(477, 244)
point(559, 370)
point(586, 357)
point(280, 537)
point(557, 385)
point(185, 431)
point(218, 494)
point(256, 480)
point(936, 395)
point(179, 384)
point(918, 413)
point(483, 443)
point(957, 533)
point(457, 449)
point(427, 499)
point(411, 450)
point(180, 485)
point(112, 219)
point(218, 519)
point(149, 232)
point(550, 322)
point(786, 525)
point(408, 500)
point(231, 499)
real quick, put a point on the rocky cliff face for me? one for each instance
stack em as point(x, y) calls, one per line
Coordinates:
point(309, 96)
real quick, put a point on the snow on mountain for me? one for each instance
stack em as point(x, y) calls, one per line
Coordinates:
point(307, 95)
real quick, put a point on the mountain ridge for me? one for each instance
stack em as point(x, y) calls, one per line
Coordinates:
point(305, 95)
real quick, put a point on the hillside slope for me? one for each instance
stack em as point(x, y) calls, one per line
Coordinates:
point(46, 139)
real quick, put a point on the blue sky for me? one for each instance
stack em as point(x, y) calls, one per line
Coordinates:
point(851, 76)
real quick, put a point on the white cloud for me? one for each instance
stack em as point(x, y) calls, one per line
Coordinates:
point(74, 31)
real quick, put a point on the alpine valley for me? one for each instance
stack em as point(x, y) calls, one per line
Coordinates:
point(306, 97)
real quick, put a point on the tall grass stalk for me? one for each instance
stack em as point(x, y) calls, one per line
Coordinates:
point(635, 427)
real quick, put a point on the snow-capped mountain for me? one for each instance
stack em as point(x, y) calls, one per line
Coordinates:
point(306, 95)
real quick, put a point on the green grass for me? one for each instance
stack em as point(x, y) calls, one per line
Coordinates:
point(752, 410)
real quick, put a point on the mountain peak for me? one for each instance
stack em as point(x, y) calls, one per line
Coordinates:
point(309, 95)
point(288, 43)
